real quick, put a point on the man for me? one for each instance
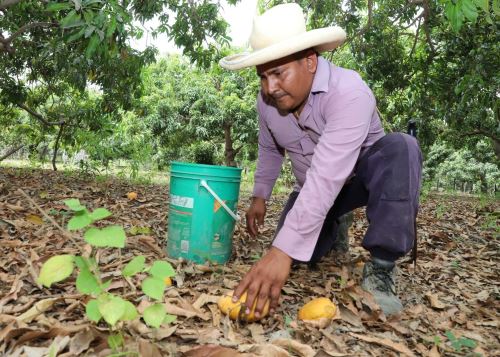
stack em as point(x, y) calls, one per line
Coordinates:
point(324, 117)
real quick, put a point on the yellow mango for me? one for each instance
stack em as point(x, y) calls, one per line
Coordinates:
point(236, 310)
point(318, 308)
point(132, 195)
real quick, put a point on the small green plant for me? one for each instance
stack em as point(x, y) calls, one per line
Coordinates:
point(455, 265)
point(441, 210)
point(459, 343)
point(103, 304)
point(437, 341)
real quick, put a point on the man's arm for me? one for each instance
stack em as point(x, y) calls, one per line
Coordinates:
point(269, 160)
point(268, 169)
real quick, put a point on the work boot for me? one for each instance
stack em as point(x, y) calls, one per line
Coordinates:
point(379, 279)
point(341, 244)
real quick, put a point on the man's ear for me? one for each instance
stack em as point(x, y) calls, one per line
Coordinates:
point(312, 61)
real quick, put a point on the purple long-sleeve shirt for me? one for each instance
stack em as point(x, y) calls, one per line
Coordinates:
point(338, 123)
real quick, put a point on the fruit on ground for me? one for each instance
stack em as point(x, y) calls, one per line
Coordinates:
point(132, 195)
point(236, 310)
point(318, 308)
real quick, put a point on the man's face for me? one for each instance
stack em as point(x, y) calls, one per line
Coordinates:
point(287, 82)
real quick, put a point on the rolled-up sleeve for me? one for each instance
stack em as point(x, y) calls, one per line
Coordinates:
point(347, 125)
point(270, 158)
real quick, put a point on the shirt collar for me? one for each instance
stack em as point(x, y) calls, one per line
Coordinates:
point(322, 76)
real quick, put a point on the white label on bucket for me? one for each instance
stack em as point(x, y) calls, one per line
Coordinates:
point(184, 246)
point(181, 201)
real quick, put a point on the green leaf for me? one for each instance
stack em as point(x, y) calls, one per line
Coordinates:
point(467, 342)
point(469, 10)
point(86, 283)
point(134, 230)
point(130, 312)
point(71, 20)
point(134, 266)
point(85, 263)
point(169, 319)
point(106, 285)
point(483, 4)
point(93, 43)
point(56, 269)
point(161, 269)
point(115, 341)
point(111, 27)
point(111, 236)
point(74, 204)
point(100, 213)
point(89, 30)
point(496, 7)
point(92, 311)
point(455, 16)
point(57, 6)
point(80, 220)
point(111, 307)
point(450, 335)
point(76, 35)
point(154, 315)
point(153, 287)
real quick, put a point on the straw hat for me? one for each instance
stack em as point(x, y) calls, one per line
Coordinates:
point(279, 32)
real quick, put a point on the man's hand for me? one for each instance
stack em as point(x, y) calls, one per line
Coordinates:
point(255, 215)
point(264, 281)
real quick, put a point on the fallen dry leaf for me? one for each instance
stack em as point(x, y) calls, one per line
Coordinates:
point(39, 308)
point(301, 349)
point(434, 301)
point(396, 346)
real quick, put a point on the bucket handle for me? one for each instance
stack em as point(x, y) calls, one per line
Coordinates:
point(235, 216)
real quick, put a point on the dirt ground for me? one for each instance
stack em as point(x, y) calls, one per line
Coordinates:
point(451, 299)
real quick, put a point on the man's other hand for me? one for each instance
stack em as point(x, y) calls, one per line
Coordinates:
point(264, 281)
point(255, 215)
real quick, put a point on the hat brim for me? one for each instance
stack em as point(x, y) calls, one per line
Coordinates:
point(324, 39)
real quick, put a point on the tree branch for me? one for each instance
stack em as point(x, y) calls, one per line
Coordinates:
point(416, 38)
point(8, 3)
point(27, 27)
point(494, 139)
point(366, 27)
point(414, 20)
point(427, 13)
point(38, 115)
point(11, 151)
point(56, 147)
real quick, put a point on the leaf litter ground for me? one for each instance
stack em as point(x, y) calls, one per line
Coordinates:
point(451, 299)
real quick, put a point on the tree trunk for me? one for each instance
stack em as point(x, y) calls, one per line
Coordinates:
point(484, 182)
point(229, 151)
point(56, 147)
point(11, 151)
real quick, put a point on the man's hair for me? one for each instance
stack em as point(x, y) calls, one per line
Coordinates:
point(304, 53)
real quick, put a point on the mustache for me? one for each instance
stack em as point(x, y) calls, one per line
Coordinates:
point(277, 95)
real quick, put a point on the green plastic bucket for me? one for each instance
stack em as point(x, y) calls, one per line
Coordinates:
point(202, 212)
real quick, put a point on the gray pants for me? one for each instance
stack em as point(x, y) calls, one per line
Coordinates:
point(387, 181)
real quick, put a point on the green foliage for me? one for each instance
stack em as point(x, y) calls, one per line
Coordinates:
point(135, 266)
point(105, 305)
point(56, 269)
point(459, 343)
point(111, 236)
point(476, 169)
point(155, 314)
point(153, 287)
point(215, 106)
